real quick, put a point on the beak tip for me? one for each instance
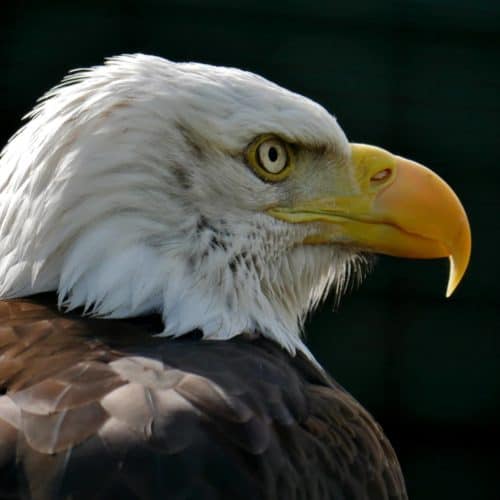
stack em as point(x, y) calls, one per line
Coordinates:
point(457, 271)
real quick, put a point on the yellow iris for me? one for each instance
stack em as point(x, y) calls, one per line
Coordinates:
point(270, 157)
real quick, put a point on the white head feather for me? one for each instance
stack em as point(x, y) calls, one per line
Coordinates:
point(127, 192)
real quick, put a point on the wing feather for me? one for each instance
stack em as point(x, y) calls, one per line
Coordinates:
point(185, 419)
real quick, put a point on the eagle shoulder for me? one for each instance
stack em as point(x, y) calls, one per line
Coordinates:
point(102, 409)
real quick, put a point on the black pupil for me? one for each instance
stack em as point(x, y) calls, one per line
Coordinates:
point(272, 154)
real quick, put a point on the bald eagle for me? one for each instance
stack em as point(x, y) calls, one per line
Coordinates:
point(164, 230)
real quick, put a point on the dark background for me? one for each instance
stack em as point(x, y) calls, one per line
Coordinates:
point(418, 77)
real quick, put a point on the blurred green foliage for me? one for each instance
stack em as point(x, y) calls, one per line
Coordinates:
point(418, 77)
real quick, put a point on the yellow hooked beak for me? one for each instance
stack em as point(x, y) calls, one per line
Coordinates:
point(400, 208)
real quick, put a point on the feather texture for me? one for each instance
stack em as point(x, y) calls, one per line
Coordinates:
point(146, 417)
point(127, 191)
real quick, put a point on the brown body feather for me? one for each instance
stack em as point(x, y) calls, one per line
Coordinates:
point(102, 409)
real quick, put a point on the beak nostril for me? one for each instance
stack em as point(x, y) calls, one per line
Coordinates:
point(381, 175)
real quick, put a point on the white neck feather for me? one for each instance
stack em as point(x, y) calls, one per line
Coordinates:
point(112, 199)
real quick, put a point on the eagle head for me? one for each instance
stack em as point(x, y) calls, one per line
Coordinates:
point(208, 194)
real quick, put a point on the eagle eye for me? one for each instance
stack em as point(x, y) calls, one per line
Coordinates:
point(270, 158)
